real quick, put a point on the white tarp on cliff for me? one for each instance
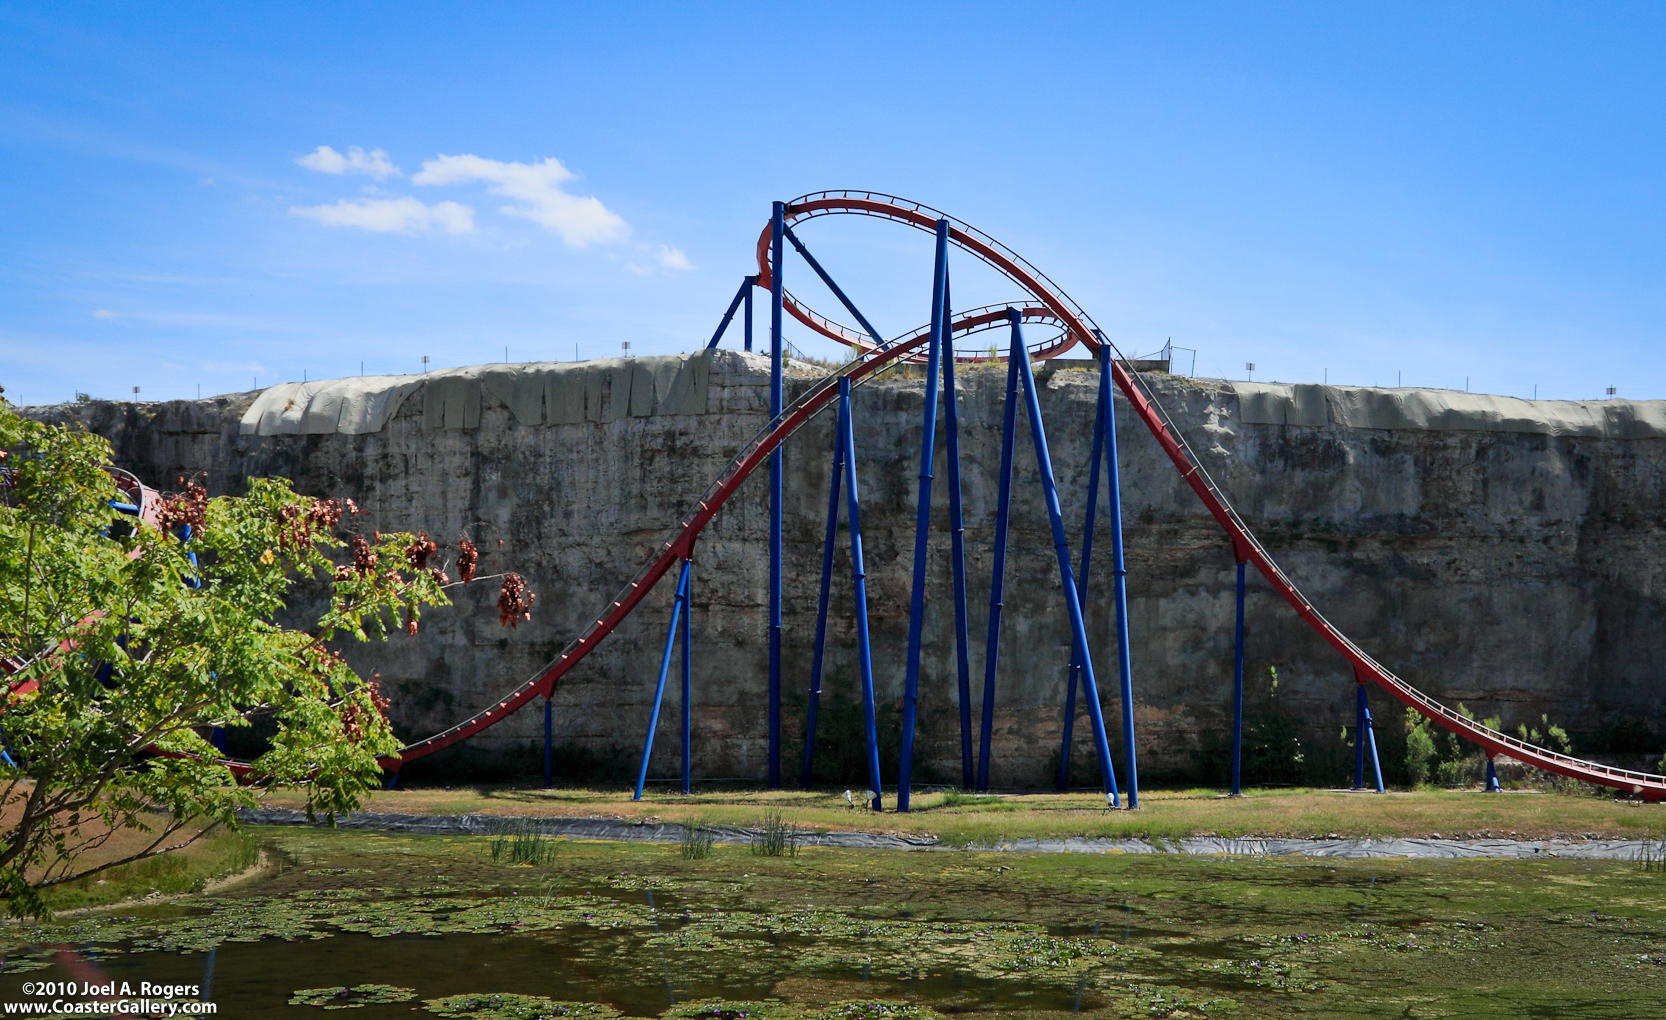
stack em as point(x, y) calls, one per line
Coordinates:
point(1364, 407)
point(541, 393)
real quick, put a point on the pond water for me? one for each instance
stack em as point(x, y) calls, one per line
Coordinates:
point(440, 930)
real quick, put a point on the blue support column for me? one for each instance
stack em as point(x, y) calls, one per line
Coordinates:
point(777, 231)
point(688, 623)
point(1376, 764)
point(1493, 786)
point(859, 578)
point(1368, 733)
point(814, 706)
point(1238, 693)
point(743, 294)
point(549, 747)
point(1055, 517)
point(998, 574)
point(751, 282)
point(957, 535)
point(833, 286)
point(1119, 572)
point(922, 522)
point(664, 670)
point(1082, 572)
point(1069, 725)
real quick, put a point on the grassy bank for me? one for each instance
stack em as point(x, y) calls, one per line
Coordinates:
point(216, 856)
point(964, 818)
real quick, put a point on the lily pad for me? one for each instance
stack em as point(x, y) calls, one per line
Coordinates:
point(509, 1006)
point(732, 1009)
point(341, 997)
point(875, 1009)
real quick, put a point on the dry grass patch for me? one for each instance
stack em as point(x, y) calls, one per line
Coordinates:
point(959, 817)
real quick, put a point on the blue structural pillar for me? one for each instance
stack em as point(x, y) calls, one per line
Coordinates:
point(1365, 737)
point(922, 522)
point(1119, 573)
point(1061, 547)
point(1238, 697)
point(688, 617)
point(777, 234)
point(1065, 746)
point(751, 282)
point(997, 582)
point(859, 579)
point(549, 748)
point(1493, 785)
point(813, 707)
point(957, 538)
point(743, 294)
point(677, 604)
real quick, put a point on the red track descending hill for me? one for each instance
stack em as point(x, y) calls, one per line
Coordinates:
point(1045, 302)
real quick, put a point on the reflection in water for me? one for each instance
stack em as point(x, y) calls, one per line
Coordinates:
point(664, 964)
point(208, 977)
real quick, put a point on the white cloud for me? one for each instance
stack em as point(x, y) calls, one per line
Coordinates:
point(372, 164)
point(453, 217)
point(391, 215)
point(579, 221)
point(103, 313)
point(673, 258)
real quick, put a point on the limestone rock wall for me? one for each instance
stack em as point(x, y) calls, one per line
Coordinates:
point(1519, 573)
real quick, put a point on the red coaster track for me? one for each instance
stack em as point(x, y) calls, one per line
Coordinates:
point(1050, 304)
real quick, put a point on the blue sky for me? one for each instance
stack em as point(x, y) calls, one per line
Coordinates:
point(1341, 191)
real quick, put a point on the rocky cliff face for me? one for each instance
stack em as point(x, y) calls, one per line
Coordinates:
point(1520, 573)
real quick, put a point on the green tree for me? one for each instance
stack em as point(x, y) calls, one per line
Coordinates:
point(123, 653)
point(1420, 749)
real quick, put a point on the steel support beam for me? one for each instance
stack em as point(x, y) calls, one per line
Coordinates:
point(813, 707)
point(922, 521)
point(957, 547)
point(850, 306)
point(859, 579)
point(744, 294)
point(1238, 695)
point(1119, 575)
point(751, 283)
point(998, 572)
point(1098, 448)
point(1369, 735)
point(677, 604)
point(549, 746)
point(776, 345)
point(688, 623)
point(1061, 547)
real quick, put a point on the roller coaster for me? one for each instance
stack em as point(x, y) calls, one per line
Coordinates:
point(1045, 309)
